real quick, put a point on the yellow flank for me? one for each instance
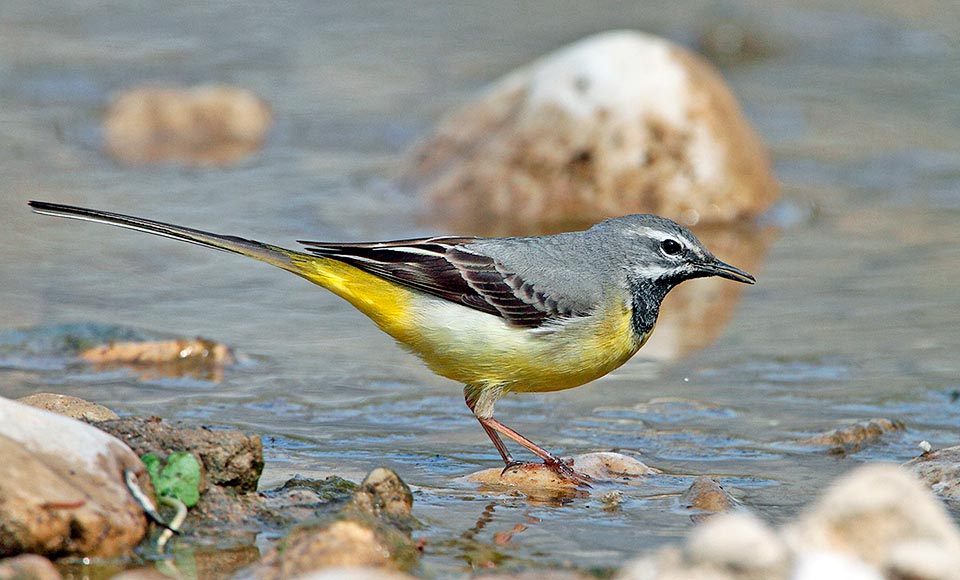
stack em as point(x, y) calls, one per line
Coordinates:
point(384, 302)
point(480, 349)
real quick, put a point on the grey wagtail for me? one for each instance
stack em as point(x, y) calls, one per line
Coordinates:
point(499, 315)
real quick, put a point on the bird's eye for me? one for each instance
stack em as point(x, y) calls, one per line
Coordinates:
point(670, 247)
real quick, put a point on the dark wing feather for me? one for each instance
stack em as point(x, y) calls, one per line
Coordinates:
point(445, 267)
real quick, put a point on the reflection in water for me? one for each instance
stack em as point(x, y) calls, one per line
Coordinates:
point(479, 553)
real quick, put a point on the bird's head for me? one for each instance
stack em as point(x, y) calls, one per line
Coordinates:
point(662, 253)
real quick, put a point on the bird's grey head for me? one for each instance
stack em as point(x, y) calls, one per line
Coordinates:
point(654, 254)
point(660, 252)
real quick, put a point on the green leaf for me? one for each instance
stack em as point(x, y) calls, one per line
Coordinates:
point(180, 478)
point(153, 463)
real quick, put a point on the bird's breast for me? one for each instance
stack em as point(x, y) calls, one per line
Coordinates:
point(477, 348)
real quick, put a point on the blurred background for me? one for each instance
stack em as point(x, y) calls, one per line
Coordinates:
point(855, 314)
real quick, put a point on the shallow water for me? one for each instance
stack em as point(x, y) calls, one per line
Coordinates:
point(855, 314)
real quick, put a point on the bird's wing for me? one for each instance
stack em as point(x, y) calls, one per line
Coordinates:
point(446, 267)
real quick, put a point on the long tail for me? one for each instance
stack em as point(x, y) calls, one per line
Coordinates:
point(383, 301)
point(280, 257)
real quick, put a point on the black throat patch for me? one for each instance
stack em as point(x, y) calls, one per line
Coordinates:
point(647, 296)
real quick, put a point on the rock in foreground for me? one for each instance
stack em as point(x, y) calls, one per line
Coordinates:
point(875, 522)
point(373, 531)
point(62, 492)
point(621, 122)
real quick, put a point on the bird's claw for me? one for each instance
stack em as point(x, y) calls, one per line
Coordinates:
point(566, 471)
point(511, 465)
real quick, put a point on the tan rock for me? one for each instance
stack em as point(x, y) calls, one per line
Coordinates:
point(852, 438)
point(940, 470)
point(28, 567)
point(708, 495)
point(204, 125)
point(345, 542)
point(383, 494)
point(538, 480)
point(197, 357)
point(63, 490)
point(617, 123)
point(68, 406)
point(870, 514)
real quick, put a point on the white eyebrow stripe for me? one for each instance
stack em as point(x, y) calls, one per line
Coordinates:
point(661, 235)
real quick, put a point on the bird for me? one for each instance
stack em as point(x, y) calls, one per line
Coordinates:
point(498, 315)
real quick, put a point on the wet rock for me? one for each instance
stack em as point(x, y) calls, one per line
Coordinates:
point(853, 438)
point(536, 479)
point(708, 495)
point(68, 406)
point(107, 347)
point(204, 125)
point(300, 499)
point(344, 542)
point(62, 492)
point(230, 458)
point(372, 530)
point(196, 357)
point(940, 470)
point(160, 352)
point(28, 567)
point(621, 122)
point(383, 494)
point(874, 512)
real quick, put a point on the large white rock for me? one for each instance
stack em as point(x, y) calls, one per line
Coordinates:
point(621, 122)
point(62, 492)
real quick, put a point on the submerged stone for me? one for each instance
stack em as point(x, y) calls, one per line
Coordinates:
point(853, 438)
point(708, 495)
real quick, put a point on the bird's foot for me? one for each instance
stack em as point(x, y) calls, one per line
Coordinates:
point(565, 470)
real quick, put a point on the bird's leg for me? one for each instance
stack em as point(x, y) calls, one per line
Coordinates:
point(497, 441)
point(562, 468)
point(481, 401)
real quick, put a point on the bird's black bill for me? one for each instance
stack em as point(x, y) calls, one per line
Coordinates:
point(727, 271)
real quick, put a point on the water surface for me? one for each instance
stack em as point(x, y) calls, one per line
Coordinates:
point(855, 314)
